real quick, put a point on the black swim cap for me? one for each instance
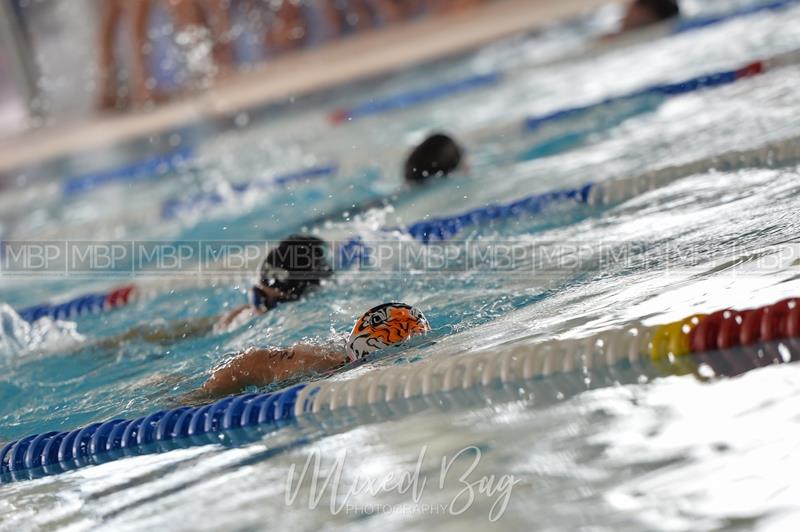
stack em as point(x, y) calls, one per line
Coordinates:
point(437, 156)
point(661, 9)
point(295, 264)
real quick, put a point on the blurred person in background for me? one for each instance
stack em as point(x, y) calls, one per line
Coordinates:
point(643, 13)
point(453, 6)
point(291, 25)
point(195, 23)
point(202, 32)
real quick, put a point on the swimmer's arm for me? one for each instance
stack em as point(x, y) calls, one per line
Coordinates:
point(163, 334)
point(248, 312)
point(260, 367)
point(225, 321)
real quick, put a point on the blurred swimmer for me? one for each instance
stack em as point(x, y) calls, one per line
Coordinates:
point(380, 327)
point(643, 13)
point(436, 157)
point(290, 270)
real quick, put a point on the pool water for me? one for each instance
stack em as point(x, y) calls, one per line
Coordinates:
point(669, 453)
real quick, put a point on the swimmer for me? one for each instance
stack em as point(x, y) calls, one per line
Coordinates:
point(643, 13)
point(380, 327)
point(296, 265)
point(290, 270)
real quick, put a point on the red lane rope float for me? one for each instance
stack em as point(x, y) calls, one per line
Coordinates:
point(726, 329)
point(81, 305)
point(121, 296)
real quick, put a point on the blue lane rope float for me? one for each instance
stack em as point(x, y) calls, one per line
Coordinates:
point(416, 97)
point(448, 227)
point(677, 348)
point(473, 82)
point(707, 81)
point(356, 249)
point(99, 442)
point(353, 250)
point(174, 207)
point(83, 304)
point(150, 168)
point(690, 24)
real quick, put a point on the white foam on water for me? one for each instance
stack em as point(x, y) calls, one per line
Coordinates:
point(18, 337)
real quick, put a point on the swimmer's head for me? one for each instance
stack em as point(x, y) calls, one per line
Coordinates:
point(642, 13)
point(437, 156)
point(384, 326)
point(295, 265)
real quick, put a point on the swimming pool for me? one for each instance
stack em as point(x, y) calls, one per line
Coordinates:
point(663, 453)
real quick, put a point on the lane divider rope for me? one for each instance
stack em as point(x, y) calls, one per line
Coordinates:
point(143, 290)
point(417, 96)
point(161, 164)
point(174, 207)
point(588, 195)
point(150, 168)
point(668, 346)
point(355, 249)
point(665, 90)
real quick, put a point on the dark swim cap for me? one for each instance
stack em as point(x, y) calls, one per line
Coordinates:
point(437, 156)
point(661, 9)
point(295, 264)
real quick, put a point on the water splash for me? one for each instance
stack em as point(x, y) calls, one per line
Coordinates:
point(19, 338)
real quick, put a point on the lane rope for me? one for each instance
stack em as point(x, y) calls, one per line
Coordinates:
point(355, 249)
point(473, 82)
point(174, 207)
point(148, 169)
point(677, 348)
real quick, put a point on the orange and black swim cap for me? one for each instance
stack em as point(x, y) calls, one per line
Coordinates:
point(384, 326)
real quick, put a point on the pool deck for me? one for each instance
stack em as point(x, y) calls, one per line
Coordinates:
point(300, 73)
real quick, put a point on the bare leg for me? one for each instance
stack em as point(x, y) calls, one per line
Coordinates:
point(332, 17)
point(221, 28)
point(142, 77)
point(195, 42)
point(186, 13)
point(113, 11)
point(288, 28)
point(359, 15)
point(409, 7)
point(389, 11)
point(453, 6)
